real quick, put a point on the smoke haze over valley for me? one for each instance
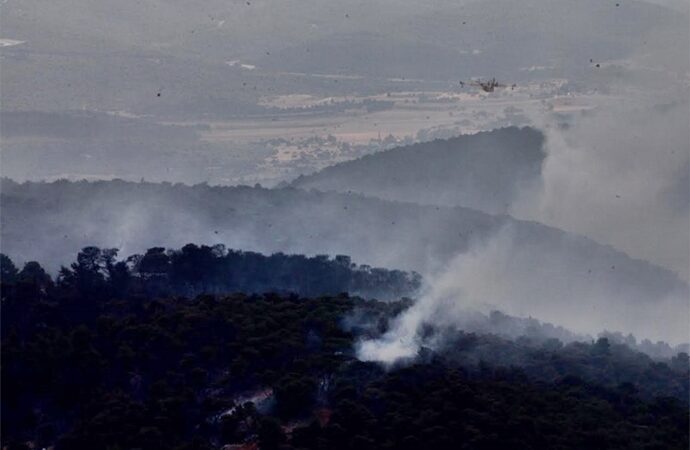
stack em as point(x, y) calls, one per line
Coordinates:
point(524, 268)
point(407, 191)
point(269, 112)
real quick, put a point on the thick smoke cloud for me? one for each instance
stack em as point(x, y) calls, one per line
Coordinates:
point(501, 275)
point(620, 176)
point(618, 172)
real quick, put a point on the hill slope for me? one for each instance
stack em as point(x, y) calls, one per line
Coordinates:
point(522, 268)
point(485, 171)
point(176, 373)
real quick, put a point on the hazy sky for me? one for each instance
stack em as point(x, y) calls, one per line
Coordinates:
point(262, 91)
point(618, 174)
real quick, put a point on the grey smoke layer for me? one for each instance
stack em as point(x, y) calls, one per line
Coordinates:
point(469, 258)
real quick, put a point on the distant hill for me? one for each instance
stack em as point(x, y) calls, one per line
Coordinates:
point(484, 171)
point(522, 268)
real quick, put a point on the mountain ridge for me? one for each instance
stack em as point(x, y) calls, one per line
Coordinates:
point(492, 261)
point(486, 171)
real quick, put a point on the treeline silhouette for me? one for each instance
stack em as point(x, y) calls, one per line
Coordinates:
point(192, 270)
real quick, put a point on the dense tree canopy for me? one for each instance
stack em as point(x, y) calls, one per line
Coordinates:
point(85, 368)
point(193, 270)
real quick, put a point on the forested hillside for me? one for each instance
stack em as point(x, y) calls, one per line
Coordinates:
point(278, 371)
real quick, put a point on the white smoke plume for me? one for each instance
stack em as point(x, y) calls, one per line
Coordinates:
point(500, 275)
